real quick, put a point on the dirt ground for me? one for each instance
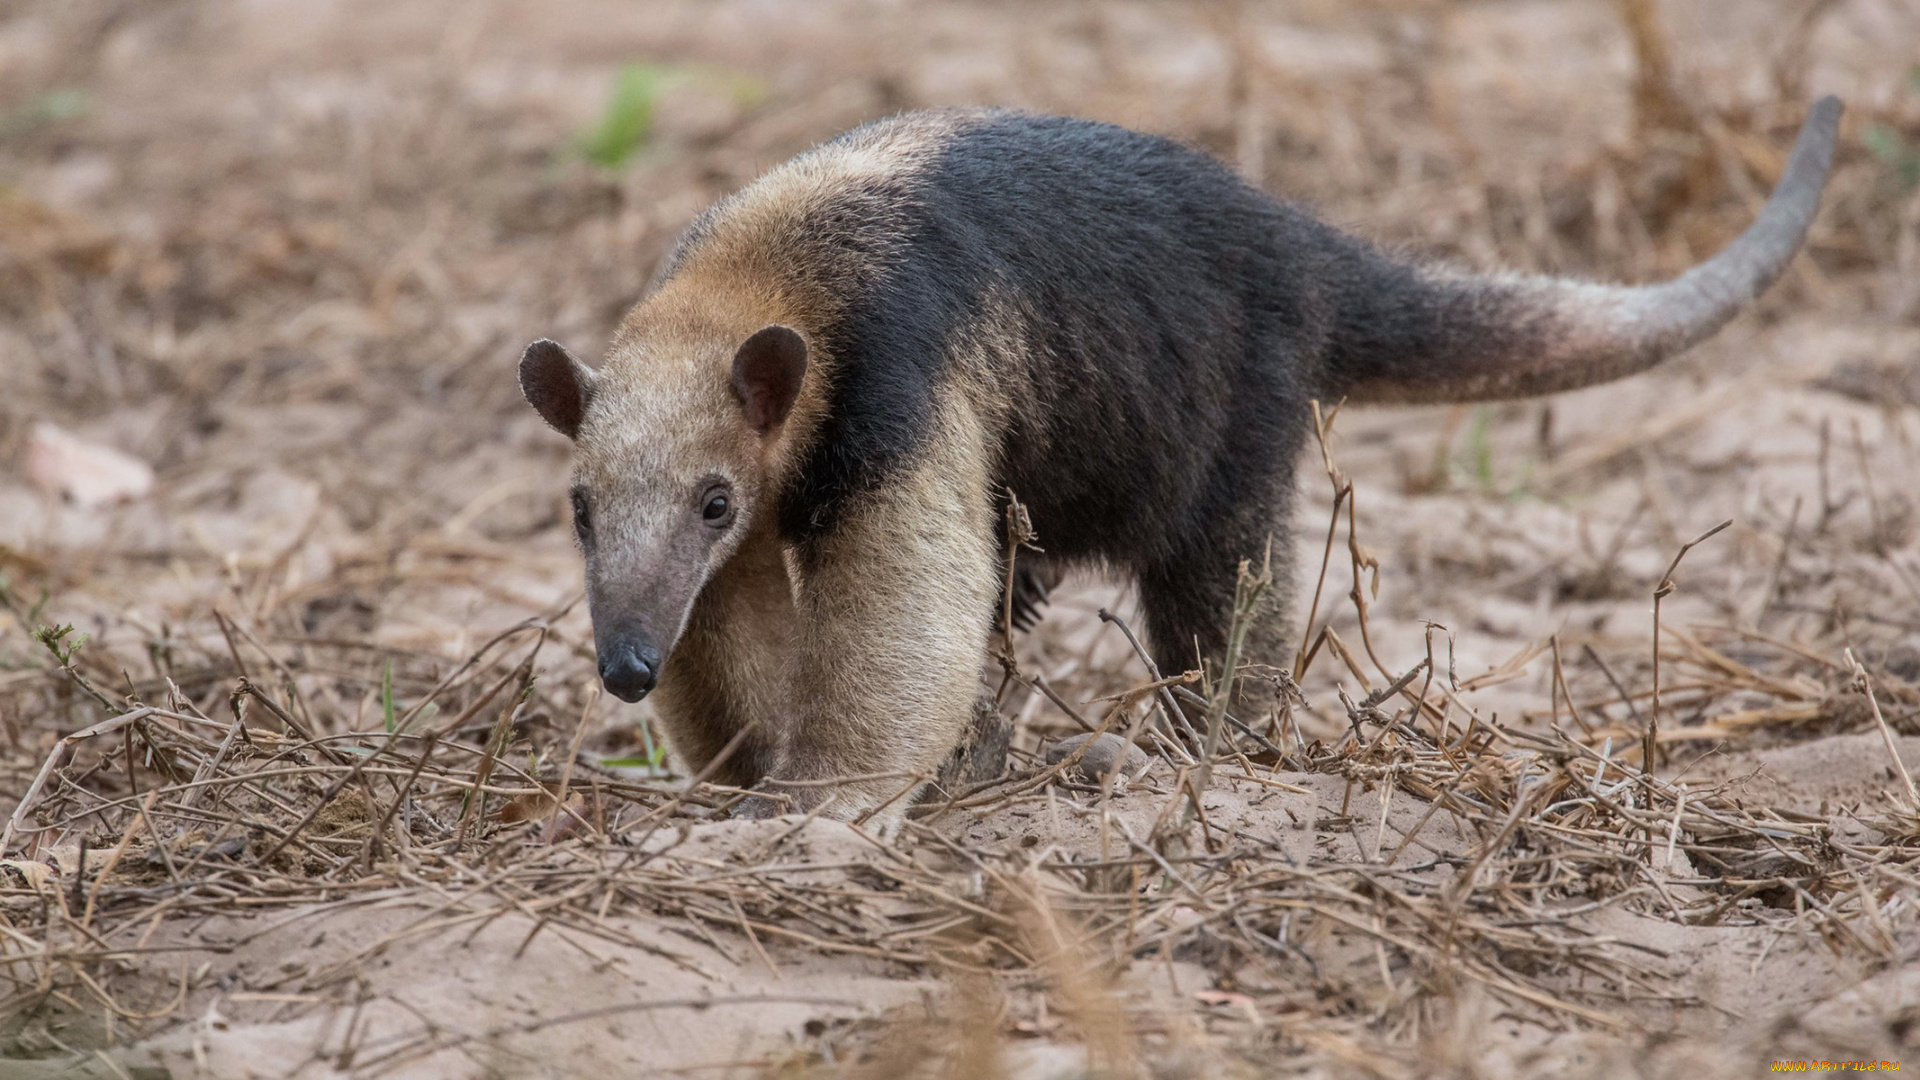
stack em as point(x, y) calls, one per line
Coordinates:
point(278, 260)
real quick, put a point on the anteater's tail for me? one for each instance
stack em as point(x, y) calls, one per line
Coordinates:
point(1415, 334)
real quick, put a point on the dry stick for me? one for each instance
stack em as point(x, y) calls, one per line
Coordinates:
point(1873, 499)
point(1440, 726)
point(69, 668)
point(496, 743)
point(286, 673)
point(740, 916)
point(1342, 490)
point(337, 757)
point(1374, 699)
point(1176, 719)
point(914, 781)
point(159, 844)
point(79, 876)
point(1673, 830)
point(1633, 710)
point(1189, 696)
point(1779, 567)
point(1649, 743)
point(233, 650)
point(433, 1042)
point(1309, 646)
point(1040, 683)
point(1560, 688)
point(352, 774)
point(207, 848)
point(1886, 732)
point(1828, 507)
point(226, 747)
point(1306, 662)
point(579, 736)
point(400, 797)
point(133, 770)
point(113, 860)
point(475, 796)
point(666, 810)
point(1360, 561)
point(1248, 590)
point(1112, 776)
point(59, 751)
point(1433, 807)
point(444, 684)
point(247, 687)
point(1020, 534)
point(1339, 647)
point(456, 723)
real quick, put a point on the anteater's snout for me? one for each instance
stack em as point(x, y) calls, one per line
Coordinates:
point(629, 669)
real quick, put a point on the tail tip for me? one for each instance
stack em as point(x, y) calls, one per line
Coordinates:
point(1813, 150)
point(1826, 112)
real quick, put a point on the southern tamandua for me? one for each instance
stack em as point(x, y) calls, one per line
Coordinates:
point(791, 469)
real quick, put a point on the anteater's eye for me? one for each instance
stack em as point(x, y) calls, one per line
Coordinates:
point(718, 510)
point(582, 520)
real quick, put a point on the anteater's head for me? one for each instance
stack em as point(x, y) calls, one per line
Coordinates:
point(673, 443)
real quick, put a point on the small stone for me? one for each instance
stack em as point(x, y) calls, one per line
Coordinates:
point(1107, 751)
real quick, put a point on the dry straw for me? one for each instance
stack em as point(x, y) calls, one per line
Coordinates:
point(244, 776)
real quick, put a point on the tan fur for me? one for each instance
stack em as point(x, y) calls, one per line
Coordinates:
point(863, 661)
point(733, 665)
point(894, 616)
point(866, 658)
point(754, 257)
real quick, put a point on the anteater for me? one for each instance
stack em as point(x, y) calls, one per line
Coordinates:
point(791, 471)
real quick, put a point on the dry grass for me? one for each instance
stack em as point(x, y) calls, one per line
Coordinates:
point(298, 300)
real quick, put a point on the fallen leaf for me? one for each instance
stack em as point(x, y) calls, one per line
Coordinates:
point(542, 806)
point(84, 473)
point(1231, 1000)
point(25, 873)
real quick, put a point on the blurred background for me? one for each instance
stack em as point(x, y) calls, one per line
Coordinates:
point(265, 267)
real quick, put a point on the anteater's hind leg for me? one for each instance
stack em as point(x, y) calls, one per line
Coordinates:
point(1188, 596)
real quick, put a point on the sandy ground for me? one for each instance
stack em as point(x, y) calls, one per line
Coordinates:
point(284, 255)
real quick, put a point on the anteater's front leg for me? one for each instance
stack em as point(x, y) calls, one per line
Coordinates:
point(894, 607)
point(728, 678)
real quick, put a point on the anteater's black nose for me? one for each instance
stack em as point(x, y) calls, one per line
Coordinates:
point(629, 670)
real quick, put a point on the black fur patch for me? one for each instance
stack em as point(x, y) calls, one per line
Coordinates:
point(1172, 337)
point(1142, 331)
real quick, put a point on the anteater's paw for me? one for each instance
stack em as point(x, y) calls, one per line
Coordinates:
point(759, 808)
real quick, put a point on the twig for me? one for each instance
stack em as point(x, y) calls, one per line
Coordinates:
point(1650, 741)
point(54, 757)
point(1342, 490)
point(1176, 718)
point(1249, 589)
point(1865, 685)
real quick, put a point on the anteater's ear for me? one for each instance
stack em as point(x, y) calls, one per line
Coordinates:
point(556, 385)
point(766, 375)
